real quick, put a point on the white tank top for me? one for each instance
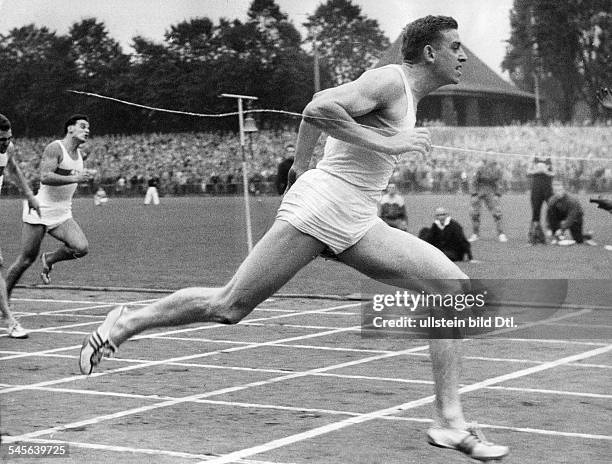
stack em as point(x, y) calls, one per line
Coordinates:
point(367, 169)
point(4, 162)
point(62, 193)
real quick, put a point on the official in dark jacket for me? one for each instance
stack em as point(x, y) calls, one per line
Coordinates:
point(447, 234)
point(283, 170)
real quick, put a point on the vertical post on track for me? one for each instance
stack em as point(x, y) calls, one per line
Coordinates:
point(245, 177)
point(315, 56)
point(536, 59)
point(536, 89)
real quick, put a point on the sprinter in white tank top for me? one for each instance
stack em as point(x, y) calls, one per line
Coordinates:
point(336, 203)
point(357, 115)
point(61, 170)
point(8, 162)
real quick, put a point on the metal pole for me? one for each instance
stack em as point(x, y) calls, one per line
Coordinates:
point(536, 61)
point(536, 88)
point(317, 72)
point(245, 177)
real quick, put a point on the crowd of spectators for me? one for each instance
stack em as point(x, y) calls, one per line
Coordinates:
point(451, 170)
point(211, 163)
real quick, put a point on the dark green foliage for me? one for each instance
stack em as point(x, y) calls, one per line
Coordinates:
point(567, 42)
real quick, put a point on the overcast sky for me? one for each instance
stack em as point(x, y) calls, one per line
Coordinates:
point(483, 24)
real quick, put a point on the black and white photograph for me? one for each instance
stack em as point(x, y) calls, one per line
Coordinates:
point(305, 231)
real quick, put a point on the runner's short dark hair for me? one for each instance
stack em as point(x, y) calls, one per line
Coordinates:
point(424, 31)
point(5, 124)
point(73, 119)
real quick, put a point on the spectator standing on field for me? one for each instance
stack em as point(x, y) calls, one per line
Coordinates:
point(541, 173)
point(486, 188)
point(152, 195)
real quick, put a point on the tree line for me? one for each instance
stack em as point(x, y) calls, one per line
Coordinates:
point(263, 56)
point(563, 46)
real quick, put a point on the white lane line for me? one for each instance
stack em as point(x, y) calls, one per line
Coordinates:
point(276, 310)
point(92, 305)
point(588, 436)
point(181, 364)
point(313, 347)
point(335, 348)
point(591, 366)
point(146, 451)
point(321, 374)
point(208, 458)
point(66, 332)
point(274, 444)
point(181, 358)
point(39, 353)
point(191, 329)
point(302, 409)
point(165, 361)
point(163, 404)
point(276, 326)
point(328, 374)
point(58, 328)
point(551, 392)
point(292, 326)
point(239, 404)
point(528, 325)
point(285, 345)
point(587, 326)
point(80, 391)
point(372, 378)
point(331, 313)
point(78, 316)
point(259, 319)
point(199, 401)
point(51, 300)
point(550, 341)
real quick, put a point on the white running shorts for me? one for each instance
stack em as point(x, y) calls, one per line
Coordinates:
point(329, 209)
point(53, 215)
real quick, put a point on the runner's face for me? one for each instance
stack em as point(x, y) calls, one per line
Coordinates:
point(450, 56)
point(5, 139)
point(80, 130)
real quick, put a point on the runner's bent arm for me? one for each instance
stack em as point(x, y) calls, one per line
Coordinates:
point(335, 110)
point(51, 159)
point(22, 183)
point(308, 136)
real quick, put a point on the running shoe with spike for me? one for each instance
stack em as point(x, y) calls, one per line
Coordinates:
point(470, 442)
point(98, 344)
point(16, 331)
point(46, 269)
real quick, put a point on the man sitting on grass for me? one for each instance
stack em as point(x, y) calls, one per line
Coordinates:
point(447, 235)
point(565, 216)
